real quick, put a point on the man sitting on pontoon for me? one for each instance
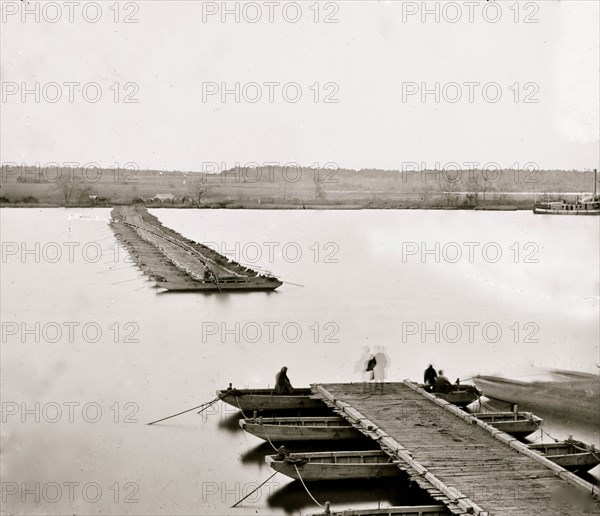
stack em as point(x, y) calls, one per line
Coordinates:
point(441, 382)
point(282, 382)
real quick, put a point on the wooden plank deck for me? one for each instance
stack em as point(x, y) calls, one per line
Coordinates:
point(466, 464)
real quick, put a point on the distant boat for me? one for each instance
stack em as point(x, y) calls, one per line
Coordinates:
point(570, 454)
point(460, 395)
point(584, 206)
point(340, 465)
point(587, 205)
point(517, 424)
point(575, 399)
point(264, 399)
point(283, 429)
point(407, 510)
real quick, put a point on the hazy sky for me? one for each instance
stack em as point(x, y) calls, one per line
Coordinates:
point(377, 53)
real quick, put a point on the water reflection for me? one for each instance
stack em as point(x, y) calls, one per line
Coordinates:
point(348, 493)
point(231, 423)
point(257, 455)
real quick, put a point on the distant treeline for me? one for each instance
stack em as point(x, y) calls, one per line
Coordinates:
point(290, 185)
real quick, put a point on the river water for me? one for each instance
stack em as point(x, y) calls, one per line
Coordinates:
point(91, 351)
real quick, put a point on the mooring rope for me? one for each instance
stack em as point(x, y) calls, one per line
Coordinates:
point(489, 407)
point(267, 436)
point(538, 437)
point(246, 417)
point(542, 431)
point(240, 407)
point(309, 493)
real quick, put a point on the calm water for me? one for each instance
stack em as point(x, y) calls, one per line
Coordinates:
point(368, 278)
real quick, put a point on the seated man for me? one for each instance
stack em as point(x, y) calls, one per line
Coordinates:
point(282, 382)
point(282, 453)
point(442, 383)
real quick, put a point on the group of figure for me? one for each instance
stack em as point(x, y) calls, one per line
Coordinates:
point(434, 380)
point(372, 366)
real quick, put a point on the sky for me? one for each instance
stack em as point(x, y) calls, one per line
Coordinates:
point(185, 85)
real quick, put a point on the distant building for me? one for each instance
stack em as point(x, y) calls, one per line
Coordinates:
point(163, 197)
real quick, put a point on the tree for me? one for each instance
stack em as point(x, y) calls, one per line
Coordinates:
point(69, 186)
point(197, 189)
point(449, 189)
point(500, 197)
point(84, 194)
point(320, 189)
point(474, 188)
point(487, 185)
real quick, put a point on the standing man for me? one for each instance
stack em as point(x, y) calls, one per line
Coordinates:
point(430, 376)
point(370, 367)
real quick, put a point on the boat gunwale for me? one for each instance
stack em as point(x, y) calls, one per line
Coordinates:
point(265, 393)
point(397, 510)
point(489, 417)
point(284, 421)
point(334, 454)
point(563, 444)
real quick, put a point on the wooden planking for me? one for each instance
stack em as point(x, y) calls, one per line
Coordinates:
point(460, 453)
point(415, 475)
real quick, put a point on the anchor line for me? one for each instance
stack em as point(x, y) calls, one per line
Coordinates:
point(204, 406)
point(254, 491)
point(143, 286)
point(208, 405)
point(306, 488)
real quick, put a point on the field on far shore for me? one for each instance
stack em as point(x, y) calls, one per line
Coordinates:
point(286, 188)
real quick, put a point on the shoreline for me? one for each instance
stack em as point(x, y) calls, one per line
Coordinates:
point(271, 188)
point(244, 206)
